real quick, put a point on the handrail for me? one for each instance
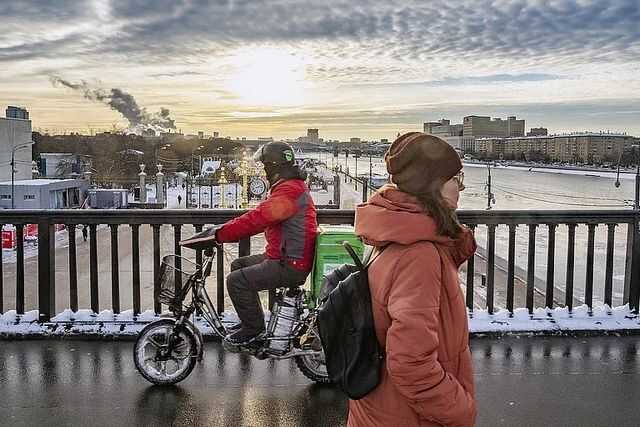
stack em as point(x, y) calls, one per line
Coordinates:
point(340, 216)
point(494, 282)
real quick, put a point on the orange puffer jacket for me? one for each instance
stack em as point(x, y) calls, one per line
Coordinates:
point(420, 318)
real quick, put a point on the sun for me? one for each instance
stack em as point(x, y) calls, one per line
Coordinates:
point(267, 76)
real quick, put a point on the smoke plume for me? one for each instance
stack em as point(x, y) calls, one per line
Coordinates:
point(139, 119)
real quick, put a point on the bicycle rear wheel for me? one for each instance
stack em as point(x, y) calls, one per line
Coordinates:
point(156, 362)
point(313, 366)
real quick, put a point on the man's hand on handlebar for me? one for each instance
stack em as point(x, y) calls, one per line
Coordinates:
point(203, 241)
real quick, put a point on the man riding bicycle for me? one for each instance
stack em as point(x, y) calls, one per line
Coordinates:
point(288, 219)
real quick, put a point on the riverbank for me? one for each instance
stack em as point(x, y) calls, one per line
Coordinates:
point(625, 173)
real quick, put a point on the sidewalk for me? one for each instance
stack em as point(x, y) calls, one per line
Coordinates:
point(520, 381)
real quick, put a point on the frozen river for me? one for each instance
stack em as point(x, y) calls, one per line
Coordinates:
point(520, 188)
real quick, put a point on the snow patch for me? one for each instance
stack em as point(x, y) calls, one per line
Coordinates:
point(106, 323)
point(601, 318)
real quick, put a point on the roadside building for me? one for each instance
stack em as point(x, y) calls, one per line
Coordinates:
point(588, 147)
point(43, 193)
point(444, 130)
point(15, 136)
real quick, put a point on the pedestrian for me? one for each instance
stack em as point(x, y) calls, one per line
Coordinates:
point(179, 199)
point(84, 233)
point(419, 312)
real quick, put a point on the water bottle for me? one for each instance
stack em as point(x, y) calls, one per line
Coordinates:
point(283, 318)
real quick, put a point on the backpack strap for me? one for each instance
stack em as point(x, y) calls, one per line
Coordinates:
point(352, 253)
point(367, 259)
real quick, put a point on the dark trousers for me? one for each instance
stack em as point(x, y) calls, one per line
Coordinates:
point(255, 273)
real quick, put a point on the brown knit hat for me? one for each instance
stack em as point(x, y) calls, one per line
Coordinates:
point(416, 159)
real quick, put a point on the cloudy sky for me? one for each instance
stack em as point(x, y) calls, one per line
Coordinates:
point(366, 68)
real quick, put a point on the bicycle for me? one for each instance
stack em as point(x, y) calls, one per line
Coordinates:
point(167, 350)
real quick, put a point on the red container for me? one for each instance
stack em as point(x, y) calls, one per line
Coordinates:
point(8, 239)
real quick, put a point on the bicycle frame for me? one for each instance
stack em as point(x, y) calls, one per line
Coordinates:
point(201, 304)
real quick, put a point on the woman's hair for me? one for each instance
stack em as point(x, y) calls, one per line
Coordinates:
point(444, 216)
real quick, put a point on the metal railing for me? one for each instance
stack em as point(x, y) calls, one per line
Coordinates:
point(489, 221)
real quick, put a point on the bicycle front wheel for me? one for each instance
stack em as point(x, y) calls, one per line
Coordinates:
point(160, 363)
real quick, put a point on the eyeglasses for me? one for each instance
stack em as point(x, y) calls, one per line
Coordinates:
point(460, 178)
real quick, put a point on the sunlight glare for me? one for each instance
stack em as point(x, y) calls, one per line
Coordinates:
point(267, 76)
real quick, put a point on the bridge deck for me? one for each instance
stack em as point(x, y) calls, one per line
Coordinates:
point(529, 381)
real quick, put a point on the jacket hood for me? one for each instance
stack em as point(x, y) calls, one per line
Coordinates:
point(392, 216)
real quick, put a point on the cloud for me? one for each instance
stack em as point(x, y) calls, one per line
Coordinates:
point(183, 73)
point(355, 56)
point(518, 30)
point(467, 81)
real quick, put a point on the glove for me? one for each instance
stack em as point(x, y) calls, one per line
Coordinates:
point(201, 241)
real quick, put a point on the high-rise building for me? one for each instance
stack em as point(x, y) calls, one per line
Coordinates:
point(312, 135)
point(15, 130)
point(476, 127)
point(17, 113)
point(538, 132)
point(443, 129)
point(428, 127)
point(484, 126)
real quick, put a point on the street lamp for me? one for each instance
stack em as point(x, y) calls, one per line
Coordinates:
point(634, 150)
point(221, 183)
point(13, 169)
point(357, 156)
point(193, 151)
point(370, 172)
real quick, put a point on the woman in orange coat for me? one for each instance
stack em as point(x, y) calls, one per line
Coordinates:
point(418, 307)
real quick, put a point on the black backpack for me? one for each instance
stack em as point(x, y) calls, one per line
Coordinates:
point(345, 322)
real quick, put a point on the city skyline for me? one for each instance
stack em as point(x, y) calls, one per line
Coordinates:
point(247, 68)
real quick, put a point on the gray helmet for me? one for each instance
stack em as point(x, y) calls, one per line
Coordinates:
point(278, 153)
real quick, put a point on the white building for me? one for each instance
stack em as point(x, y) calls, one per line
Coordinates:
point(43, 193)
point(14, 132)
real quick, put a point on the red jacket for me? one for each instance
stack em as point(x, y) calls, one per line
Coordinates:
point(288, 219)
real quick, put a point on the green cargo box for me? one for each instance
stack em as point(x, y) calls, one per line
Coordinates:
point(330, 253)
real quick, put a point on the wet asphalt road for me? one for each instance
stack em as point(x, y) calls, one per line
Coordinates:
point(532, 381)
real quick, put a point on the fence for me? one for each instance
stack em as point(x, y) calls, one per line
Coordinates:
point(116, 220)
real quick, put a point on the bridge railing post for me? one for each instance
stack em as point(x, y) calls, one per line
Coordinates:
point(634, 283)
point(46, 270)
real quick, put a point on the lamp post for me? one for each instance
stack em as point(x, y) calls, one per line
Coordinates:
point(221, 182)
point(634, 150)
point(13, 169)
point(634, 286)
point(193, 151)
point(490, 197)
point(370, 172)
point(244, 172)
point(346, 164)
point(356, 154)
point(636, 199)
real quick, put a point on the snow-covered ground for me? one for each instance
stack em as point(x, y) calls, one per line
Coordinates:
point(85, 322)
point(106, 323)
